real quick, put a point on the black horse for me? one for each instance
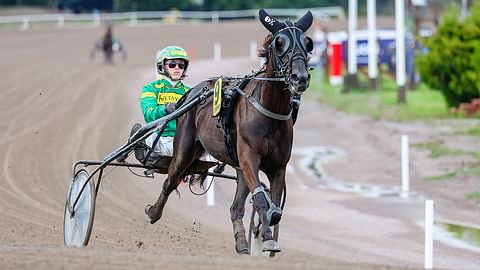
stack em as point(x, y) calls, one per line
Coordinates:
point(262, 129)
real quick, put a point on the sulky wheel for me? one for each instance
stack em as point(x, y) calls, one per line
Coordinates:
point(78, 221)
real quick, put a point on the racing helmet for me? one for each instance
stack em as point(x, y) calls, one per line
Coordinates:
point(171, 52)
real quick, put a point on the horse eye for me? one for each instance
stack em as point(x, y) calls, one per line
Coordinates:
point(308, 44)
point(279, 43)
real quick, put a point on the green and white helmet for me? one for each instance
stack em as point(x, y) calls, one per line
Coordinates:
point(171, 52)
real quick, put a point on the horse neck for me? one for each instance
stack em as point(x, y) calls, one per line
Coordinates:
point(274, 95)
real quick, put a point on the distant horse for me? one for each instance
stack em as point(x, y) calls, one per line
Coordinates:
point(108, 45)
point(262, 129)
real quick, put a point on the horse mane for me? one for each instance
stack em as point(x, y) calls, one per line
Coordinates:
point(263, 51)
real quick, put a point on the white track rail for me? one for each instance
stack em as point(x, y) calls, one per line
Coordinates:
point(135, 18)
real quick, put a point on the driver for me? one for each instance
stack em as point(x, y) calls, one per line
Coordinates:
point(159, 98)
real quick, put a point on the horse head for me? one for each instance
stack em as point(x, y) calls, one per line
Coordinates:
point(289, 49)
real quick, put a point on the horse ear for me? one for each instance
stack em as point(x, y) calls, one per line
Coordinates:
point(305, 21)
point(269, 22)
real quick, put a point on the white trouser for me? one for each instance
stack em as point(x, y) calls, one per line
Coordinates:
point(164, 147)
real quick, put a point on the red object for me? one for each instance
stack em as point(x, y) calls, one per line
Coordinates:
point(336, 59)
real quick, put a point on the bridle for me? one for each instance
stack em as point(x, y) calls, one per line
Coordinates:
point(288, 44)
point(292, 49)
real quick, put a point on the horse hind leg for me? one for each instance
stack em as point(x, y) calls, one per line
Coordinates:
point(237, 211)
point(183, 145)
point(154, 212)
point(178, 166)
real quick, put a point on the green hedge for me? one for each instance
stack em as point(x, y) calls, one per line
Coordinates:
point(452, 63)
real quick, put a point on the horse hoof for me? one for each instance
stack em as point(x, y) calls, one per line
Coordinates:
point(148, 211)
point(147, 208)
point(243, 251)
point(275, 219)
point(242, 248)
point(271, 245)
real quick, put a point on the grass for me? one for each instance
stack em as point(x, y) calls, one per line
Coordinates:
point(472, 131)
point(442, 176)
point(422, 103)
point(437, 149)
point(475, 170)
point(463, 171)
point(473, 195)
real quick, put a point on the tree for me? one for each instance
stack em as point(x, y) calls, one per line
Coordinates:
point(452, 63)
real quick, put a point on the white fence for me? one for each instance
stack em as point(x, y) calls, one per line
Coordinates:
point(134, 18)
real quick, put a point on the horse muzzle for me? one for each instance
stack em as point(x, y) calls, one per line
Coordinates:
point(299, 84)
point(299, 78)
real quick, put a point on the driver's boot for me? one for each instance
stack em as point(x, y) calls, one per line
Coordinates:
point(138, 148)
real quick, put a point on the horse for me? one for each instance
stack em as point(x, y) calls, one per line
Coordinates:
point(262, 130)
point(108, 45)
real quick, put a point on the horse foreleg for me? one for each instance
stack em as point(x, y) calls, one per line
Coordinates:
point(277, 185)
point(154, 212)
point(260, 200)
point(237, 211)
point(261, 205)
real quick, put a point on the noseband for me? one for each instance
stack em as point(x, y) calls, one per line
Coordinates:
point(292, 49)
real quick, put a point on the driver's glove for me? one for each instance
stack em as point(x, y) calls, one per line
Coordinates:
point(170, 107)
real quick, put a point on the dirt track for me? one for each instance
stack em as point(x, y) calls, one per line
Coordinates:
point(57, 107)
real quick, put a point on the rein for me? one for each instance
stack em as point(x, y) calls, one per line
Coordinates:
point(274, 79)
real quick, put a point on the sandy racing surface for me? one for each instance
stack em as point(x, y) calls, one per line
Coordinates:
point(57, 107)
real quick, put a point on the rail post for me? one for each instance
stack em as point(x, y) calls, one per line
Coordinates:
point(25, 24)
point(215, 17)
point(405, 168)
point(211, 189)
point(217, 52)
point(253, 50)
point(96, 19)
point(133, 19)
point(428, 264)
point(61, 21)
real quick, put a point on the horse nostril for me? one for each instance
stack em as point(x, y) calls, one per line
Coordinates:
point(301, 88)
point(304, 79)
point(295, 78)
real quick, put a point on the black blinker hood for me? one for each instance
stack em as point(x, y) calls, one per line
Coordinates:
point(273, 25)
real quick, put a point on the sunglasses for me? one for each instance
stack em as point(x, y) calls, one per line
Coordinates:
point(180, 65)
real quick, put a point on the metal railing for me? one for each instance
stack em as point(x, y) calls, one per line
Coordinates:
point(135, 18)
